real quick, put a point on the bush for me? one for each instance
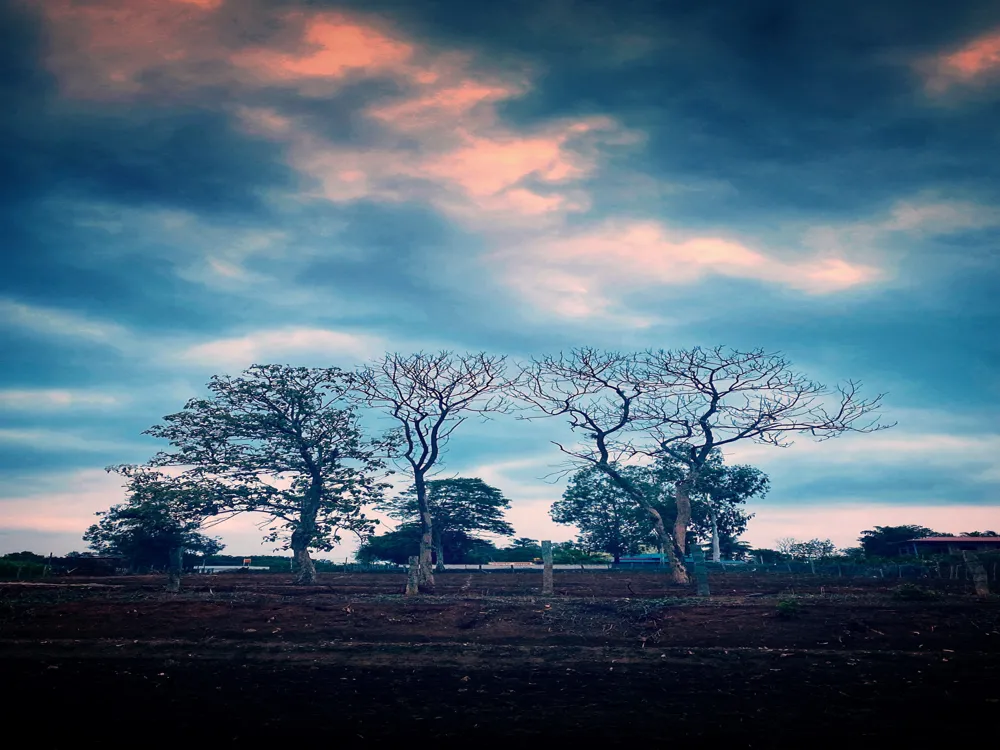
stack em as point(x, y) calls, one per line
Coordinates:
point(788, 608)
point(20, 569)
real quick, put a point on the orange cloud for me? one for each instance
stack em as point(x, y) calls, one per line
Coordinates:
point(334, 47)
point(576, 275)
point(107, 50)
point(972, 62)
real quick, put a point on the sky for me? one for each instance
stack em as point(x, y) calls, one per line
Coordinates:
point(194, 186)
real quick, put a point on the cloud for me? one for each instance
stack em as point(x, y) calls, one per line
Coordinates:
point(59, 440)
point(576, 275)
point(287, 344)
point(49, 321)
point(977, 61)
point(56, 399)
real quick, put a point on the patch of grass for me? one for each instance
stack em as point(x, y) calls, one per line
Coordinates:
point(911, 592)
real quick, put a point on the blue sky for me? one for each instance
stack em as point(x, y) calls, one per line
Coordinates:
point(196, 185)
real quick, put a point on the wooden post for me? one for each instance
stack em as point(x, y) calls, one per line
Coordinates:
point(979, 577)
point(700, 571)
point(413, 576)
point(547, 568)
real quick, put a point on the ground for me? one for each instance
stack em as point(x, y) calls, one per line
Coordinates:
point(613, 657)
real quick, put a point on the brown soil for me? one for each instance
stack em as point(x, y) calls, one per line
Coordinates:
point(615, 658)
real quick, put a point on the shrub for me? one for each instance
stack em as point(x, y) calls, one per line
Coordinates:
point(788, 608)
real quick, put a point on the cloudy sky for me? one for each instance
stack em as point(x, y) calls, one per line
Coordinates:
point(192, 186)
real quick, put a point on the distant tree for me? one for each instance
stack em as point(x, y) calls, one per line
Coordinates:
point(399, 545)
point(429, 396)
point(767, 556)
point(466, 505)
point(521, 549)
point(811, 549)
point(884, 541)
point(285, 442)
point(161, 518)
point(609, 520)
point(25, 557)
point(980, 533)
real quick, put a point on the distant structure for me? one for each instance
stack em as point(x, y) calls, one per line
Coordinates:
point(949, 545)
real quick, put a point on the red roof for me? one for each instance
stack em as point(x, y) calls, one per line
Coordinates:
point(961, 539)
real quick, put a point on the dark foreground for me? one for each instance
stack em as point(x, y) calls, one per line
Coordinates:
point(246, 660)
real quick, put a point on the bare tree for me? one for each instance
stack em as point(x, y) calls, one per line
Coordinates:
point(682, 405)
point(705, 399)
point(429, 395)
point(600, 393)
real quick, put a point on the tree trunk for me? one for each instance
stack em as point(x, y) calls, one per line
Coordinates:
point(669, 546)
point(175, 565)
point(302, 538)
point(682, 497)
point(439, 554)
point(427, 532)
point(716, 550)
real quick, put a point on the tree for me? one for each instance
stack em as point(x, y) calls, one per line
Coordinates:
point(429, 396)
point(456, 505)
point(812, 549)
point(684, 404)
point(399, 545)
point(286, 442)
point(980, 533)
point(599, 394)
point(884, 541)
point(160, 519)
point(608, 519)
point(704, 399)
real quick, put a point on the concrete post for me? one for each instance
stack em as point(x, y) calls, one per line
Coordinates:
point(700, 571)
point(979, 577)
point(413, 576)
point(547, 569)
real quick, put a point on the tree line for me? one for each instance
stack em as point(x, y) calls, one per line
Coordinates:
point(290, 443)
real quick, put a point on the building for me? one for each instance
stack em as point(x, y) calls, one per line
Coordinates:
point(949, 545)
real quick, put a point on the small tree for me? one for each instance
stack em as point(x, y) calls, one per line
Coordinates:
point(399, 545)
point(429, 396)
point(469, 506)
point(286, 442)
point(609, 520)
point(160, 519)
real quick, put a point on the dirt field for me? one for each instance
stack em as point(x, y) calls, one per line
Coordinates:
point(614, 658)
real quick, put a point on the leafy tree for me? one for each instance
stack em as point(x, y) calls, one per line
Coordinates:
point(160, 519)
point(980, 533)
point(429, 396)
point(286, 442)
point(399, 545)
point(716, 495)
point(456, 505)
point(884, 541)
point(521, 549)
point(609, 520)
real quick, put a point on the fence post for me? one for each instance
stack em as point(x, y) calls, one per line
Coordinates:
point(978, 572)
point(700, 571)
point(547, 568)
point(413, 576)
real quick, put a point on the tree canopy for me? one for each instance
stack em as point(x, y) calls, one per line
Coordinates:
point(466, 505)
point(286, 442)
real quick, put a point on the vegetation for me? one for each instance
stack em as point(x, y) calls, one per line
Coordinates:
point(459, 508)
